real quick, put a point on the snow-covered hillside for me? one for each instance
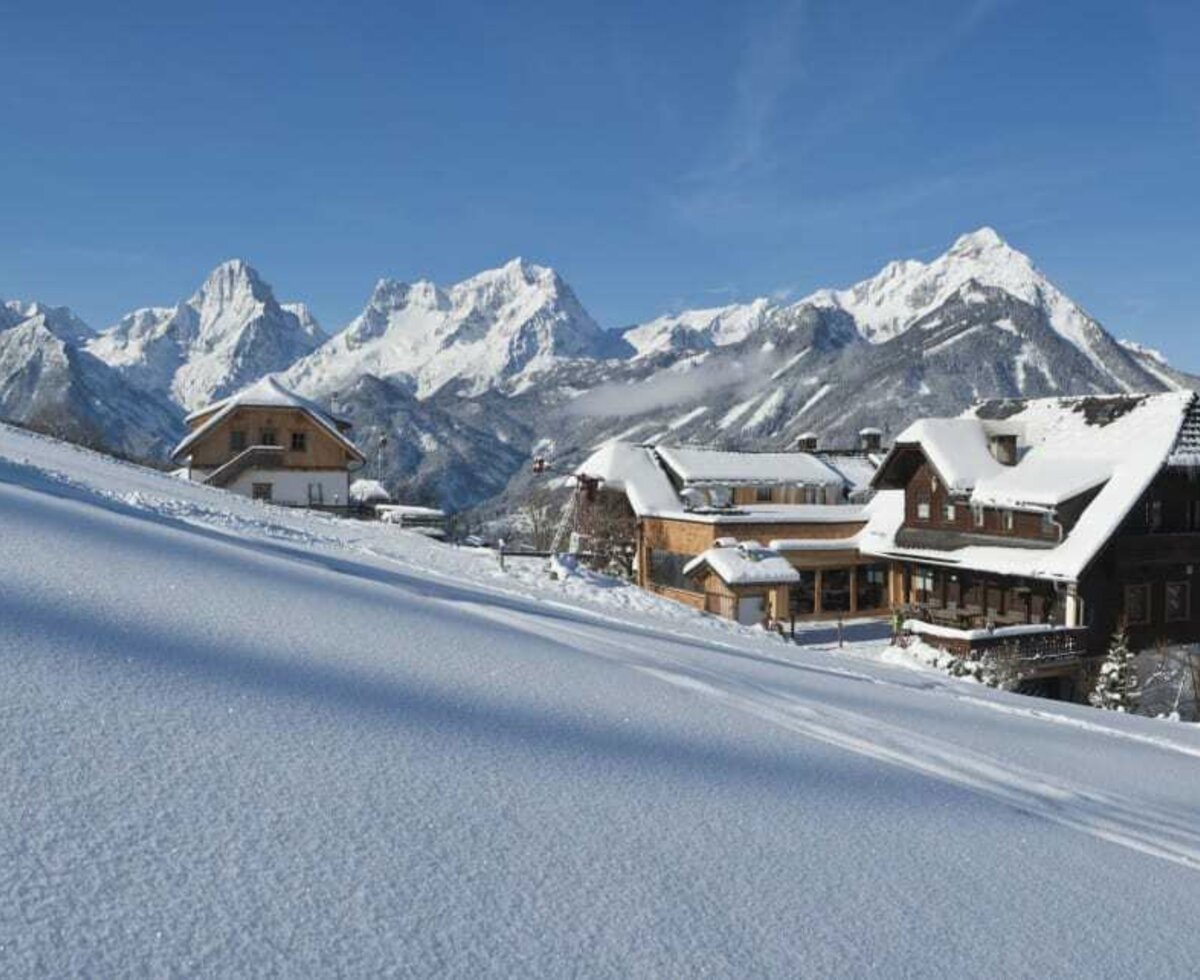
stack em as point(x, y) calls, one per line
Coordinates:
point(497, 328)
point(239, 740)
point(230, 334)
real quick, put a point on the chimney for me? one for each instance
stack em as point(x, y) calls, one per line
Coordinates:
point(870, 440)
point(1004, 448)
point(806, 442)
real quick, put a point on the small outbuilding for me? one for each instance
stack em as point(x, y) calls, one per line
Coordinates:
point(743, 580)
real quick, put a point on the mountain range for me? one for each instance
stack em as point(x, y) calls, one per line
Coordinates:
point(468, 381)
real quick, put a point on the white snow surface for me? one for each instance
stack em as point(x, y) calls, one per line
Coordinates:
point(245, 740)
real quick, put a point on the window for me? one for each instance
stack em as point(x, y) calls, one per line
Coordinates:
point(316, 493)
point(835, 590)
point(1048, 525)
point(1179, 602)
point(922, 510)
point(871, 586)
point(666, 568)
point(802, 595)
point(299, 442)
point(1137, 604)
point(922, 584)
point(237, 440)
point(1154, 514)
point(1009, 520)
point(260, 491)
point(266, 437)
point(949, 513)
point(978, 514)
point(762, 495)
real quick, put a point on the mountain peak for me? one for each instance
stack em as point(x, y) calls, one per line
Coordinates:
point(978, 241)
point(232, 279)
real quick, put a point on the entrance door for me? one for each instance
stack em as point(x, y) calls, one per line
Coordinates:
point(750, 610)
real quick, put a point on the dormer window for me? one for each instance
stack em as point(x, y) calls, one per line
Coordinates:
point(762, 495)
point(1009, 520)
point(979, 516)
point(1004, 449)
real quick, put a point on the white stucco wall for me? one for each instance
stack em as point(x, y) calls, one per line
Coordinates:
point(291, 486)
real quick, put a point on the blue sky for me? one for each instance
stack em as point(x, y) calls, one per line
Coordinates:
point(658, 155)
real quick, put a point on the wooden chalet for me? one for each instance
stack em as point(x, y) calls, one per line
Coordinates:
point(270, 444)
point(1035, 527)
point(770, 537)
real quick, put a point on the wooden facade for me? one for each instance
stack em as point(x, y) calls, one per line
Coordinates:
point(1145, 577)
point(251, 425)
point(834, 583)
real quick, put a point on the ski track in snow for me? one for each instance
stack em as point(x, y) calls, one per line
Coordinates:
point(1171, 837)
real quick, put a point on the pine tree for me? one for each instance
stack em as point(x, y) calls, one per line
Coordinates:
point(1117, 683)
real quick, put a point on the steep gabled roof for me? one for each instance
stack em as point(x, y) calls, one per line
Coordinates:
point(267, 393)
point(1067, 446)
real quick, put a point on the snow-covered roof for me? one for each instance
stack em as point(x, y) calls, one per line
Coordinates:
point(1186, 451)
point(1066, 446)
point(266, 393)
point(746, 563)
point(698, 466)
point(368, 491)
point(1042, 480)
point(856, 469)
point(638, 472)
point(633, 470)
point(957, 448)
point(814, 544)
point(411, 510)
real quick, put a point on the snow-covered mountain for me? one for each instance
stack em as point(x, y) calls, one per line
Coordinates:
point(465, 380)
point(693, 330)
point(497, 329)
point(57, 319)
point(228, 335)
point(49, 382)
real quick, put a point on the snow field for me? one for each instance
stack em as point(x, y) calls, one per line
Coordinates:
point(247, 740)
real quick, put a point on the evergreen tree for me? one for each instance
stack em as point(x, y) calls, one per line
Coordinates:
point(1117, 683)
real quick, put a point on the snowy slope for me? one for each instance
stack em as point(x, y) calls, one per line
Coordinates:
point(229, 334)
point(243, 740)
point(497, 328)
